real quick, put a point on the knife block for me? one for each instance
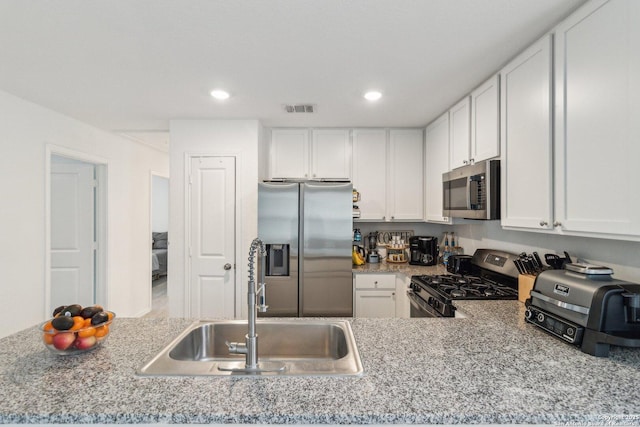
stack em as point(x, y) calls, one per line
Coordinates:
point(525, 284)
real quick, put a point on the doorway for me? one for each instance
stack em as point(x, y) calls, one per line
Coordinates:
point(75, 232)
point(159, 245)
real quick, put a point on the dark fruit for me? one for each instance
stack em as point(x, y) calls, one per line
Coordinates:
point(62, 323)
point(73, 310)
point(88, 312)
point(99, 318)
point(58, 310)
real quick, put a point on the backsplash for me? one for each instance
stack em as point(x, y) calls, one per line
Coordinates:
point(622, 256)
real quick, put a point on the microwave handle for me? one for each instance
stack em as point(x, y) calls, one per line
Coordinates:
point(468, 193)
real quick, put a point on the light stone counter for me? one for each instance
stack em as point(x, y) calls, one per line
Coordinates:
point(488, 368)
point(399, 268)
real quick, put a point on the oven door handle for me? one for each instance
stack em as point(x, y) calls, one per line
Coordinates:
point(418, 303)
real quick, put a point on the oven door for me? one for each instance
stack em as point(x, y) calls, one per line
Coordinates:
point(419, 308)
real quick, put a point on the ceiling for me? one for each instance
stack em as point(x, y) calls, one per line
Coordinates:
point(130, 66)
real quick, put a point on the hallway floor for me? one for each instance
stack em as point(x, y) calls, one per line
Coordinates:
point(159, 299)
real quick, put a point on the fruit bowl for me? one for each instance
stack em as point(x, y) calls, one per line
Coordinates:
point(70, 332)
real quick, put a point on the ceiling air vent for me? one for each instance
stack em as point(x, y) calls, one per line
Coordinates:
point(300, 108)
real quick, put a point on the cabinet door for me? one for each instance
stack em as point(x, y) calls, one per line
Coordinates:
point(369, 172)
point(331, 154)
point(403, 305)
point(406, 177)
point(380, 304)
point(526, 138)
point(485, 123)
point(375, 281)
point(459, 134)
point(289, 153)
point(597, 114)
point(436, 162)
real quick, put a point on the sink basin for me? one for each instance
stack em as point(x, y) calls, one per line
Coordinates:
point(304, 347)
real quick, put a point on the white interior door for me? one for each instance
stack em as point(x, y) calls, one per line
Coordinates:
point(212, 237)
point(72, 233)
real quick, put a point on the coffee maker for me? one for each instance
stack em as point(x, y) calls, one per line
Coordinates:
point(372, 254)
point(423, 250)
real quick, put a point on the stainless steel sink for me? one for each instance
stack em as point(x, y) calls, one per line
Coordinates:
point(304, 347)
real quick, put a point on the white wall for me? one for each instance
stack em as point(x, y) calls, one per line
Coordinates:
point(238, 138)
point(622, 256)
point(25, 131)
point(160, 204)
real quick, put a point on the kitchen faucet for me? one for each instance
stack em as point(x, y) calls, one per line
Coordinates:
point(255, 293)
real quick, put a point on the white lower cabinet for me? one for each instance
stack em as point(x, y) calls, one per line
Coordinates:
point(375, 295)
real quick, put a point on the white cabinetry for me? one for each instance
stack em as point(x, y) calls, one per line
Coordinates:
point(294, 156)
point(485, 112)
point(526, 138)
point(597, 71)
point(388, 173)
point(375, 295)
point(474, 126)
point(289, 154)
point(369, 172)
point(436, 161)
point(459, 133)
point(406, 195)
point(331, 154)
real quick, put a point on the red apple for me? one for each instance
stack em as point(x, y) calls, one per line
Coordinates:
point(64, 340)
point(86, 342)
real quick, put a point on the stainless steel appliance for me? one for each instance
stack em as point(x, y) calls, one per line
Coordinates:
point(472, 191)
point(493, 276)
point(584, 306)
point(423, 250)
point(459, 264)
point(307, 230)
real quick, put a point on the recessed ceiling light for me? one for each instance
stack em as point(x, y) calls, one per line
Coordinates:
point(219, 94)
point(372, 95)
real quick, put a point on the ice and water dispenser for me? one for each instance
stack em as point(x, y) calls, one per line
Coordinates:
point(277, 259)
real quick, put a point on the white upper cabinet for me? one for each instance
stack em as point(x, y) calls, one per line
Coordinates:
point(436, 162)
point(485, 128)
point(459, 133)
point(526, 139)
point(331, 154)
point(369, 172)
point(597, 134)
point(474, 126)
point(289, 155)
point(406, 199)
point(294, 156)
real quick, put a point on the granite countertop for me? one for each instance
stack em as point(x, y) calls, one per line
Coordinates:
point(487, 368)
point(401, 268)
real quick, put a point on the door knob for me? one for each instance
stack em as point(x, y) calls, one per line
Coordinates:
point(543, 223)
point(227, 266)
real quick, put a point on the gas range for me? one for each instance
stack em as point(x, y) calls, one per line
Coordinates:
point(493, 277)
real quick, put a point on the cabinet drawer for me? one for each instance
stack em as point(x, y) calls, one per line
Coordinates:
point(375, 281)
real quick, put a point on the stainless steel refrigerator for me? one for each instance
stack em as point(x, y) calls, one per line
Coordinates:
point(307, 230)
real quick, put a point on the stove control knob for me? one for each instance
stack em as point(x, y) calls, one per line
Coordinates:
point(570, 331)
point(540, 317)
point(528, 314)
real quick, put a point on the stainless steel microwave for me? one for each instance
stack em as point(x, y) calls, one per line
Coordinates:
point(472, 191)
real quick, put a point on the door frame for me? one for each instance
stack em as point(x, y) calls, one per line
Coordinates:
point(238, 283)
point(153, 173)
point(101, 222)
